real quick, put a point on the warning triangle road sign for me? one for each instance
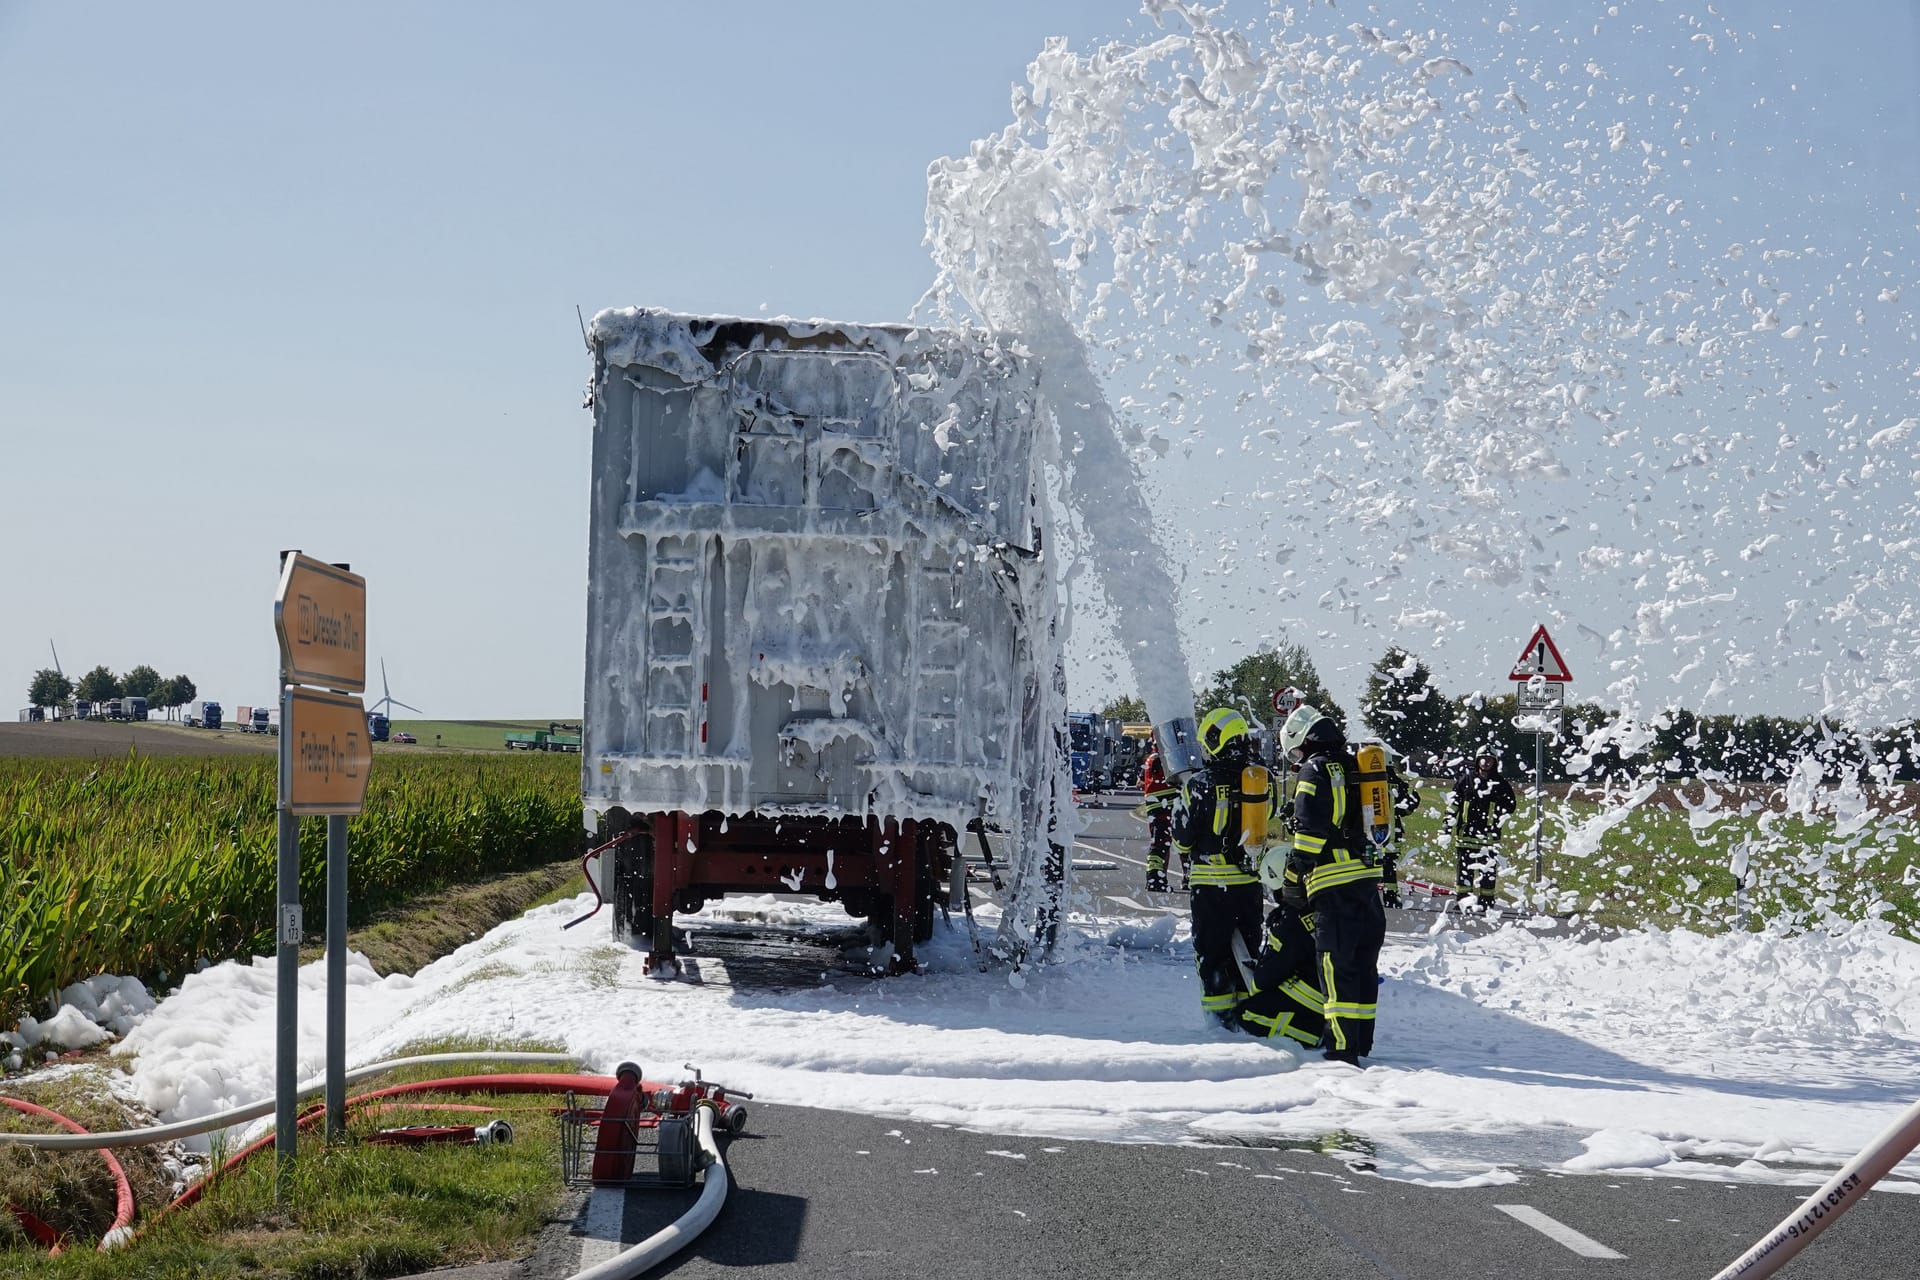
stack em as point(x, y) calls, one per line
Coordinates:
point(1540, 658)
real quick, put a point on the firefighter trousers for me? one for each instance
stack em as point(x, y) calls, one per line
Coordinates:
point(1349, 928)
point(1288, 1002)
point(1477, 866)
point(1160, 845)
point(1220, 914)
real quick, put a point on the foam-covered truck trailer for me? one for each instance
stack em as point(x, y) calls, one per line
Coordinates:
point(820, 634)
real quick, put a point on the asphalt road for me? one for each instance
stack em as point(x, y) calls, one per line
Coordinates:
point(827, 1194)
point(830, 1194)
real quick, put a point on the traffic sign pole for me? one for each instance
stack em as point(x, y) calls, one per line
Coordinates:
point(336, 977)
point(287, 971)
point(319, 614)
point(1539, 804)
point(1543, 676)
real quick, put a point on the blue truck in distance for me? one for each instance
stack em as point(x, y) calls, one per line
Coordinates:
point(378, 727)
point(1090, 746)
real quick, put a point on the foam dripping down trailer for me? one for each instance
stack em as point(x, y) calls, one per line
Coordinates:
point(820, 622)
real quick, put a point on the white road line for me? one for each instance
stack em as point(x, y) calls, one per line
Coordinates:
point(1554, 1229)
point(1107, 853)
point(602, 1224)
point(1121, 900)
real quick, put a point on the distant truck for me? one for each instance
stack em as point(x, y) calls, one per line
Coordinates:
point(555, 737)
point(82, 709)
point(1094, 746)
point(379, 727)
point(201, 714)
point(127, 709)
point(818, 621)
point(257, 719)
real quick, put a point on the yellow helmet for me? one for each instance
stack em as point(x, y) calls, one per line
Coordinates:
point(1221, 726)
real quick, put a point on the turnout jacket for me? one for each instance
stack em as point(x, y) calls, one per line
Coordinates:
point(1329, 848)
point(1478, 805)
point(1220, 824)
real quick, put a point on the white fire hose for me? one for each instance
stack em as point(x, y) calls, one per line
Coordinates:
point(255, 1110)
point(1817, 1212)
point(680, 1233)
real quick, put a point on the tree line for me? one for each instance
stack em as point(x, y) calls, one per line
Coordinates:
point(51, 688)
point(1440, 733)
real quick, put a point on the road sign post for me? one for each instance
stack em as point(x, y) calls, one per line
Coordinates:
point(319, 615)
point(1541, 678)
point(1284, 701)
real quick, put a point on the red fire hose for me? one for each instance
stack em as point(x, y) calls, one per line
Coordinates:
point(122, 1189)
point(528, 1082)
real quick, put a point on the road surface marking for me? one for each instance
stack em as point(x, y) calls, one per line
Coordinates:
point(1120, 899)
point(1553, 1229)
point(1107, 853)
point(602, 1225)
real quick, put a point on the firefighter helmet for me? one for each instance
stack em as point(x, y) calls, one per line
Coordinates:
point(1221, 726)
point(1300, 722)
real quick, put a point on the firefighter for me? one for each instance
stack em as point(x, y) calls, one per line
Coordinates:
point(1285, 1000)
point(1159, 805)
point(1330, 875)
point(1219, 831)
point(1481, 798)
point(1406, 799)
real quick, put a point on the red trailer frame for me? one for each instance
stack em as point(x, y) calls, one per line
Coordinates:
point(892, 872)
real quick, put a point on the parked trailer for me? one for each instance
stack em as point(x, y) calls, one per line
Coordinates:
point(819, 626)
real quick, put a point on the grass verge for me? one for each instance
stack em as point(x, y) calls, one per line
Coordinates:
point(1669, 867)
point(355, 1209)
point(405, 939)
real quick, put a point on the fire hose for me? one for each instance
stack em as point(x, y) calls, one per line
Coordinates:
point(676, 1235)
point(122, 1189)
point(648, 1253)
point(1841, 1192)
point(255, 1110)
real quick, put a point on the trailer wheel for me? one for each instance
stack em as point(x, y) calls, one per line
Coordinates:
point(632, 877)
point(934, 863)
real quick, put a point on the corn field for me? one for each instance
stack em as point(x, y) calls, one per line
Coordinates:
point(149, 866)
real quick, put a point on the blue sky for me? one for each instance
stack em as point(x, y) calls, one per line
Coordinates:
point(280, 276)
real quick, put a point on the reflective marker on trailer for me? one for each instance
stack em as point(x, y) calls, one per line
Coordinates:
point(1554, 1229)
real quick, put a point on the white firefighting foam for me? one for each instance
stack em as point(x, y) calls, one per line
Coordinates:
point(1498, 1052)
point(1439, 309)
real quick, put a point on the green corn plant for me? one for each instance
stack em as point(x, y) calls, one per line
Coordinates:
point(152, 866)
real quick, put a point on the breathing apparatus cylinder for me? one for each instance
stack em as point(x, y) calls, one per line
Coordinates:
point(1376, 804)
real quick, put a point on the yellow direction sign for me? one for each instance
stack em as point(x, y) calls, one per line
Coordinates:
point(321, 615)
point(325, 754)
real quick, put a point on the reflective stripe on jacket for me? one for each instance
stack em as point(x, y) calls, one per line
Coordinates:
point(1328, 849)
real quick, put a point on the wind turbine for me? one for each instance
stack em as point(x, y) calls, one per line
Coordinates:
point(387, 701)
